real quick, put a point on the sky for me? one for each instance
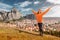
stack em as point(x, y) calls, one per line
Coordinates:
point(25, 6)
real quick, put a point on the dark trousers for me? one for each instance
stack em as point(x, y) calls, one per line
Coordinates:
point(40, 28)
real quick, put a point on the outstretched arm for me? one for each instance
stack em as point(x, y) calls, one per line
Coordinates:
point(34, 12)
point(46, 11)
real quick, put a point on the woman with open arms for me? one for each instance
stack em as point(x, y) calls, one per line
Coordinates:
point(39, 18)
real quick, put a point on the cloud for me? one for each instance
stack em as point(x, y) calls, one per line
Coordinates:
point(5, 7)
point(15, 4)
point(54, 1)
point(26, 9)
point(54, 12)
point(26, 3)
point(36, 2)
point(1, 9)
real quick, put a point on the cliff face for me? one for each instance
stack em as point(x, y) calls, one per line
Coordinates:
point(13, 14)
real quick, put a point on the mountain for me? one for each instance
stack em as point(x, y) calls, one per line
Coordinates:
point(31, 16)
point(15, 14)
point(12, 15)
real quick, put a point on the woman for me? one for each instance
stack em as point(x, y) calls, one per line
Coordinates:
point(39, 18)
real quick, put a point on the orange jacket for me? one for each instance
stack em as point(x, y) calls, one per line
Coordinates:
point(39, 15)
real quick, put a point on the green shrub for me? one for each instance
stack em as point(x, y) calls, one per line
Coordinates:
point(54, 33)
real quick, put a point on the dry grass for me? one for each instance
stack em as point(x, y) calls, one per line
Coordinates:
point(11, 34)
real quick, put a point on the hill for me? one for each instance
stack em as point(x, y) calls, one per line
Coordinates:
point(7, 33)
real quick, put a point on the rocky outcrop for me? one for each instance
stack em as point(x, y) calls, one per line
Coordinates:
point(30, 16)
point(12, 15)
